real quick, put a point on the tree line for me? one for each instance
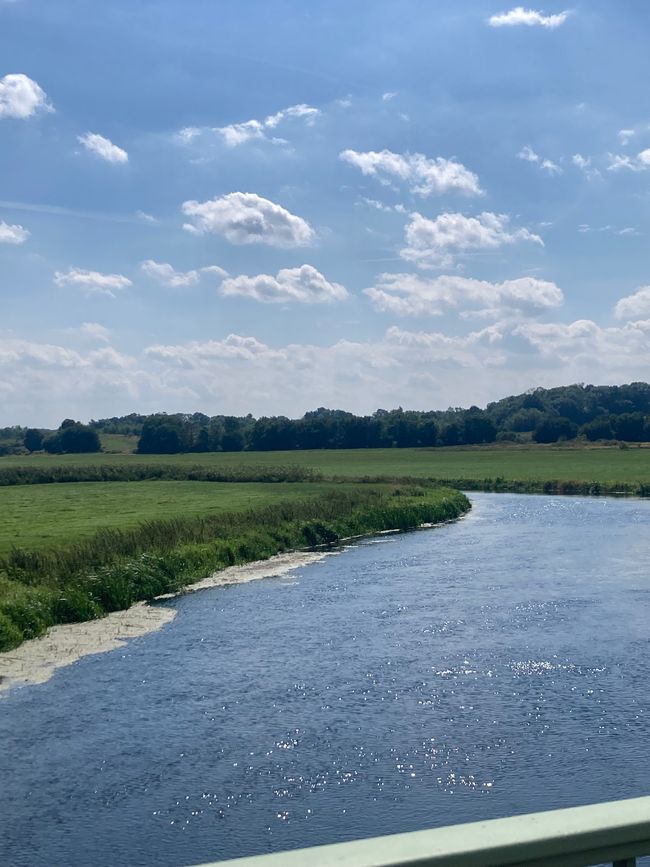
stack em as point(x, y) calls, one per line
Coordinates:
point(539, 415)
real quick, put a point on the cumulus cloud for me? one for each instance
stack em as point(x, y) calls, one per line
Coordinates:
point(305, 285)
point(528, 17)
point(246, 218)
point(611, 354)
point(21, 97)
point(235, 134)
point(92, 282)
point(240, 373)
point(103, 148)
point(436, 243)
point(198, 353)
point(12, 234)
point(424, 176)
point(634, 306)
point(624, 135)
point(164, 273)
point(413, 295)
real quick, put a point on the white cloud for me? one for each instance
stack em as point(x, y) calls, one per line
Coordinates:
point(580, 161)
point(42, 383)
point(585, 351)
point(103, 148)
point(528, 17)
point(92, 282)
point(550, 167)
point(197, 353)
point(639, 163)
point(305, 285)
point(634, 306)
point(146, 218)
point(235, 134)
point(246, 218)
point(435, 243)
point(164, 273)
point(95, 331)
point(424, 176)
point(21, 97)
point(412, 295)
point(624, 135)
point(530, 156)
point(12, 234)
point(390, 94)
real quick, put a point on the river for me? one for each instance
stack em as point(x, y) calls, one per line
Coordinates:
point(496, 665)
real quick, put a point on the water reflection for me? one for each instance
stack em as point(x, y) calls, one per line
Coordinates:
point(494, 666)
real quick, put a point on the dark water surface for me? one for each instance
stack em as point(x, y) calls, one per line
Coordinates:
point(493, 666)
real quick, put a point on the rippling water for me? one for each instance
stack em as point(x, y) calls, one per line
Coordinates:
point(493, 666)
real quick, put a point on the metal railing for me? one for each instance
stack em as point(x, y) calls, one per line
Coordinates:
point(614, 833)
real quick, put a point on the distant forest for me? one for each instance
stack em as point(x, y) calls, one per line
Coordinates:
point(541, 415)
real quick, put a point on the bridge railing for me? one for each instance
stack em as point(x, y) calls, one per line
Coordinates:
point(612, 833)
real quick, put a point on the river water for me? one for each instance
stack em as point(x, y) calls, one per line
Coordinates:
point(492, 666)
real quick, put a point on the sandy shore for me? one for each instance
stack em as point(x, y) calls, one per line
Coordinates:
point(37, 660)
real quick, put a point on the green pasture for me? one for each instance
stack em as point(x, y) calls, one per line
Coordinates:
point(606, 465)
point(44, 516)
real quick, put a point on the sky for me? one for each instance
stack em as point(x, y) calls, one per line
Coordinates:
point(268, 206)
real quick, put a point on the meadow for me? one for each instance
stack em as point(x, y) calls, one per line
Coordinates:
point(607, 466)
point(43, 516)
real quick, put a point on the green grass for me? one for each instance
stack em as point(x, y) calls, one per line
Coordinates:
point(113, 568)
point(607, 466)
point(42, 516)
point(118, 443)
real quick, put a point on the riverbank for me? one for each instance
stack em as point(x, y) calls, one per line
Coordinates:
point(37, 660)
point(114, 569)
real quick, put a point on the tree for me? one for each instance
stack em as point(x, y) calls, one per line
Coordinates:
point(72, 438)
point(554, 428)
point(33, 440)
point(163, 435)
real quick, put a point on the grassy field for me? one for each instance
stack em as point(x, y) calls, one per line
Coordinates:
point(43, 516)
point(605, 465)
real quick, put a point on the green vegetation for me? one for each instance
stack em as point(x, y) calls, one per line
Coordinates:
point(481, 468)
point(588, 412)
point(114, 568)
point(46, 516)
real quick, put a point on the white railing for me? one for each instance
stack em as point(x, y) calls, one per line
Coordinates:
point(614, 833)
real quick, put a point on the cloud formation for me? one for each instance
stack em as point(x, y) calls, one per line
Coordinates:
point(103, 148)
point(21, 97)
point(305, 285)
point(528, 155)
point(413, 295)
point(246, 218)
point(12, 234)
point(424, 176)
point(92, 282)
point(634, 306)
point(528, 17)
point(236, 134)
point(436, 243)
point(639, 163)
point(165, 274)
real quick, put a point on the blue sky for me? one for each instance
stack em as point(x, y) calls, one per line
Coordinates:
point(270, 206)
